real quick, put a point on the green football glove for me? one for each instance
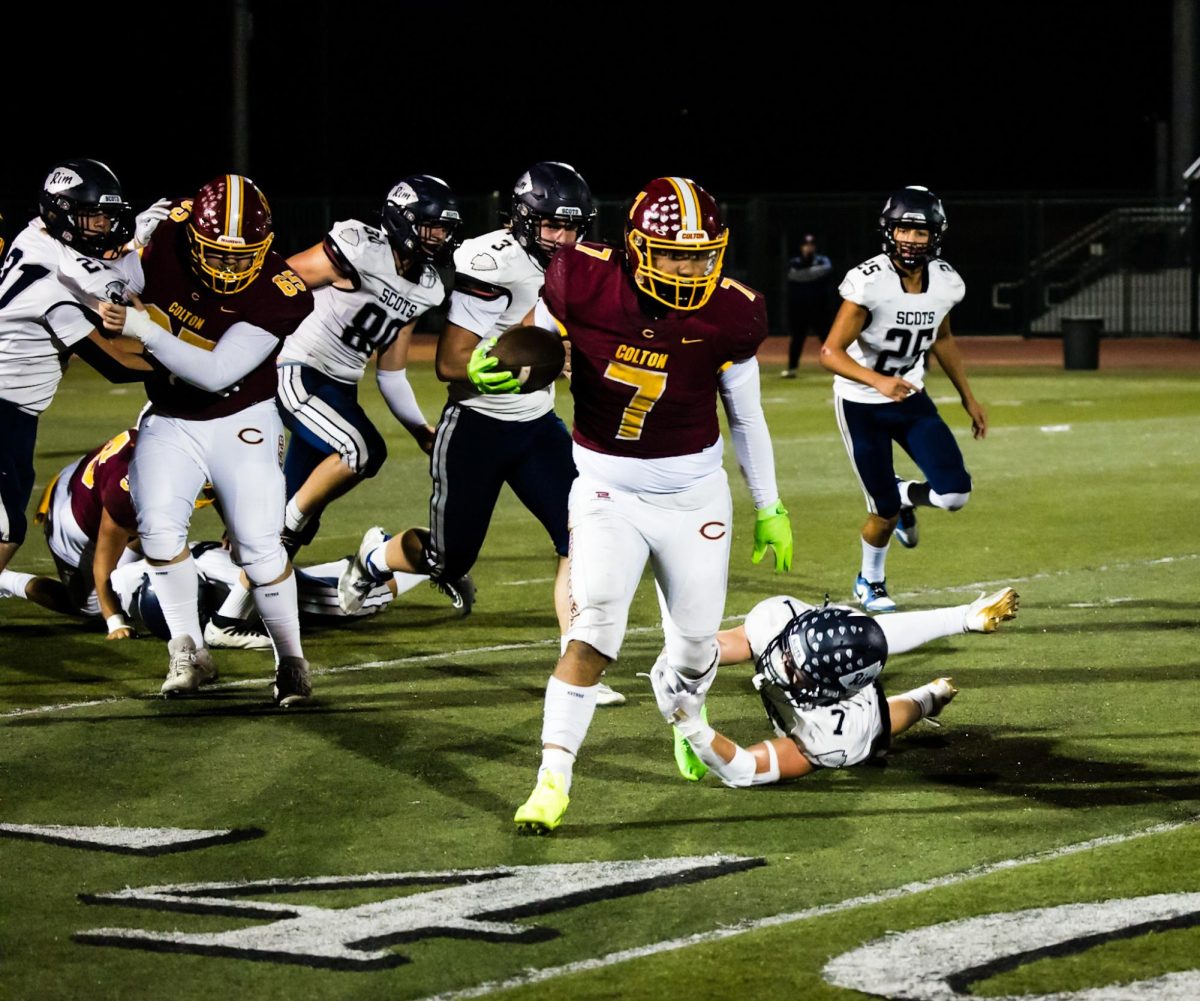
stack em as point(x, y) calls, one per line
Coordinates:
point(481, 371)
point(772, 528)
point(686, 760)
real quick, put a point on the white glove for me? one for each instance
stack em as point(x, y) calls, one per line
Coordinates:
point(678, 698)
point(146, 222)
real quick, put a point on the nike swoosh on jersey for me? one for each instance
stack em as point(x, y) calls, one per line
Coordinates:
point(692, 340)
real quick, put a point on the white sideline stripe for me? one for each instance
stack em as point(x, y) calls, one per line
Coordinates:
point(533, 644)
point(789, 917)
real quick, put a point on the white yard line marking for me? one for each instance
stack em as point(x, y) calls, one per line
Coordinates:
point(789, 917)
point(553, 641)
point(532, 580)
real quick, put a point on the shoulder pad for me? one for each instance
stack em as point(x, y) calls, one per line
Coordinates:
point(494, 257)
point(856, 286)
point(596, 251)
point(357, 242)
point(948, 272)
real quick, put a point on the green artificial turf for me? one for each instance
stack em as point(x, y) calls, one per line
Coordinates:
point(1076, 721)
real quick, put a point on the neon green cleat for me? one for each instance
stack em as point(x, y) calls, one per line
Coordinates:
point(543, 811)
point(690, 766)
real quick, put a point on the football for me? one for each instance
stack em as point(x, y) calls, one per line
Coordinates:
point(533, 354)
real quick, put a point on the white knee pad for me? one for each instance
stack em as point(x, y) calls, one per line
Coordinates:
point(163, 543)
point(262, 564)
point(693, 659)
point(949, 502)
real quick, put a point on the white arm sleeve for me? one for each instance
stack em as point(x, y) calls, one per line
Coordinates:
point(741, 770)
point(400, 398)
point(241, 349)
point(748, 426)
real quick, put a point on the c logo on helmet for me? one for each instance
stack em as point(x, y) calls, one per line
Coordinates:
point(251, 436)
point(713, 530)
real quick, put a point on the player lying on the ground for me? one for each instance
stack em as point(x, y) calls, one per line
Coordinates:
point(91, 529)
point(817, 670)
point(316, 593)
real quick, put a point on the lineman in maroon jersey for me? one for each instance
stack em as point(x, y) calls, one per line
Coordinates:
point(87, 514)
point(656, 335)
point(217, 303)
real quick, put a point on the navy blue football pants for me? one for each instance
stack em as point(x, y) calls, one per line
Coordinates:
point(473, 457)
point(325, 418)
point(18, 433)
point(868, 430)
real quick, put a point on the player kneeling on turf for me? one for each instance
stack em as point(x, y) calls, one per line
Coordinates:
point(817, 671)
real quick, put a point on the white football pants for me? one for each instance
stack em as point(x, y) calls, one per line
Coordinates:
point(240, 456)
point(684, 535)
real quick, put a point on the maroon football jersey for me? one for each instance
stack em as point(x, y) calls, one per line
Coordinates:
point(646, 387)
point(101, 483)
point(276, 300)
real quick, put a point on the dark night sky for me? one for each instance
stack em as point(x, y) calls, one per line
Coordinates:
point(345, 98)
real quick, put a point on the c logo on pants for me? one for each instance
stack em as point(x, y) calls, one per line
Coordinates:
point(251, 436)
point(713, 530)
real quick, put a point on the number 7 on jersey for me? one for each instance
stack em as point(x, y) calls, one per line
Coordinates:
point(649, 387)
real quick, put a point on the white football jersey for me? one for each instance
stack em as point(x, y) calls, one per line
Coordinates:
point(44, 287)
point(347, 326)
point(902, 326)
point(835, 736)
point(495, 287)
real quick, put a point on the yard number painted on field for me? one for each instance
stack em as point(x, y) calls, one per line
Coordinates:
point(941, 962)
point(468, 903)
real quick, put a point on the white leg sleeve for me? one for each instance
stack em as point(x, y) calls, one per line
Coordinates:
point(908, 630)
point(276, 604)
point(949, 502)
point(176, 586)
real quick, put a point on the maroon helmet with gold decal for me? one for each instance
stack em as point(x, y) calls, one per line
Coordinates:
point(673, 216)
point(230, 233)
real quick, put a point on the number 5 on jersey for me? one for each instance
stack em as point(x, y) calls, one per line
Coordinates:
point(649, 387)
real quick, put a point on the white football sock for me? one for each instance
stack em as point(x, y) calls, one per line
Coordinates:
point(276, 604)
point(873, 561)
point(13, 584)
point(407, 581)
point(555, 759)
point(566, 716)
point(377, 565)
point(176, 586)
point(293, 518)
point(238, 604)
point(923, 697)
point(903, 486)
point(908, 630)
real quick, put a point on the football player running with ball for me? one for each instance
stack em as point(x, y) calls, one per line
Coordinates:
point(490, 435)
point(656, 336)
point(896, 308)
point(816, 670)
point(218, 301)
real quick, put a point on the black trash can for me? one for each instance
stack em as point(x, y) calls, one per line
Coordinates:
point(1081, 342)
